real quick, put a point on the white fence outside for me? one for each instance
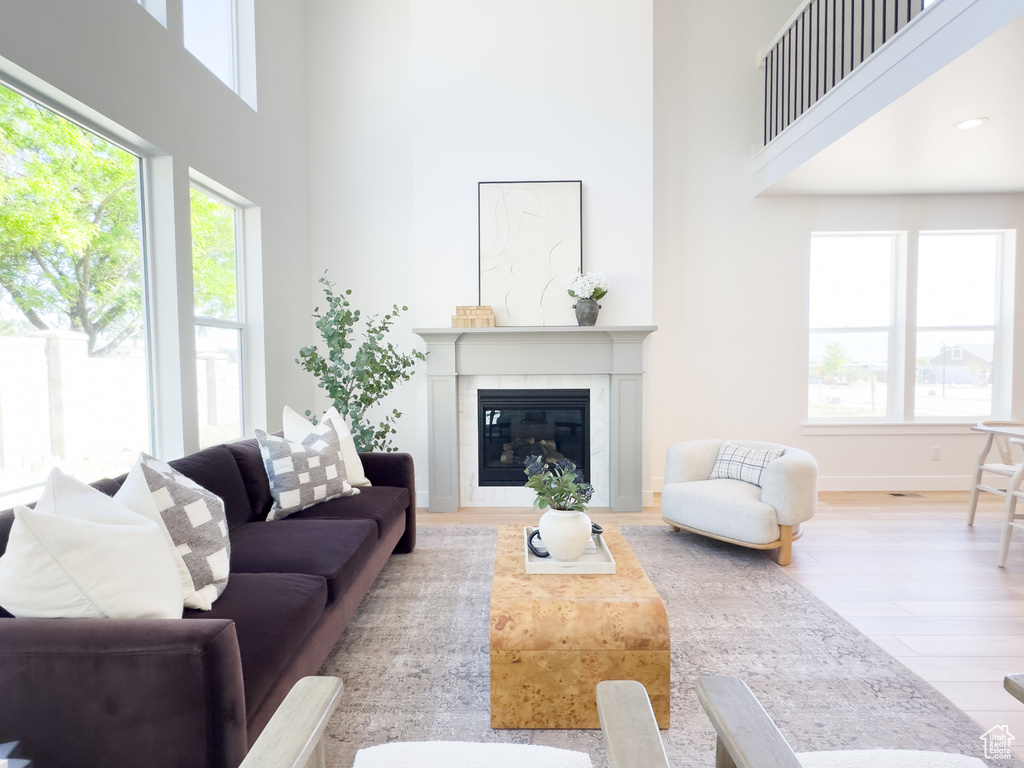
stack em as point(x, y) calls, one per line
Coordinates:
point(90, 416)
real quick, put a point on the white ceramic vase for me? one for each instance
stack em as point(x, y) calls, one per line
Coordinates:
point(565, 533)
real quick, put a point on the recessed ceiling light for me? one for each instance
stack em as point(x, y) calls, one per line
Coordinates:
point(974, 122)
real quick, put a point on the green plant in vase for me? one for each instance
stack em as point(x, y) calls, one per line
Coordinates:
point(558, 487)
point(356, 378)
point(564, 527)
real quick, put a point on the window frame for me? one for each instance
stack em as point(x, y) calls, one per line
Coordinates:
point(166, 249)
point(240, 324)
point(903, 330)
point(51, 100)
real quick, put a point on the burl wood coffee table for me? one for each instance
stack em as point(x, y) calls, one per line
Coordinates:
point(554, 637)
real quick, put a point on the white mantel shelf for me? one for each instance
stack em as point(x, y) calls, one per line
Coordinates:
point(616, 351)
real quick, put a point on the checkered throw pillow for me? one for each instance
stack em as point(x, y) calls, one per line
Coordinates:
point(303, 473)
point(735, 462)
point(193, 519)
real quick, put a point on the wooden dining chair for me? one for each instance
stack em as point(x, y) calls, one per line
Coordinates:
point(1007, 462)
point(1012, 518)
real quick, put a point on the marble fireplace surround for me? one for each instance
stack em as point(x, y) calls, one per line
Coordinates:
point(612, 351)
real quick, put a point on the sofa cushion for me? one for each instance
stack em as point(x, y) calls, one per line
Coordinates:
point(254, 475)
point(273, 613)
point(215, 469)
point(381, 504)
point(303, 473)
point(730, 508)
point(193, 520)
point(6, 521)
point(296, 427)
point(335, 550)
point(81, 554)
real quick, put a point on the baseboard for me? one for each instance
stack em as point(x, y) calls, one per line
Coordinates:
point(869, 483)
point(906, 483)
point(648, 499)
point(896, 483)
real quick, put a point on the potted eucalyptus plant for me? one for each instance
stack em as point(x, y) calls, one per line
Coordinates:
point(356, 378)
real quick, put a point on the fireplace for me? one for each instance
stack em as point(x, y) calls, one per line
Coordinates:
point(608, 361)
point(515, 424)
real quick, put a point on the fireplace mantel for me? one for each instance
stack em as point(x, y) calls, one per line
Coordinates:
point(615, 351)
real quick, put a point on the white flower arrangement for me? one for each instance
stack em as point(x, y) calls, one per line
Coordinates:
point(593, 285)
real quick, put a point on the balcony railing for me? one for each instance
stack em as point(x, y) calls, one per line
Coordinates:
point(824, 42)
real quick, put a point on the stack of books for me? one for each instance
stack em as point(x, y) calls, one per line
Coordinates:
point(473, 317)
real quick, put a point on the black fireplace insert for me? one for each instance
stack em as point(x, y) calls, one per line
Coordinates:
point(515, 424)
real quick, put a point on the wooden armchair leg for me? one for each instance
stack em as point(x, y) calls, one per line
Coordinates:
point(747, 737)
point(629, 727)
point(783, 554)
point(1014, 685)
point(292, 738)
point(722, 757)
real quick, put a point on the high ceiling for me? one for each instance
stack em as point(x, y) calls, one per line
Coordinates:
point(911, 146)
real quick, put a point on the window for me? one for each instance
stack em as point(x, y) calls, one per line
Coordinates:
point(210, 36)
point(909, 333)
point(157, 9)
point(219, 329)
point(851, 321)
point(73, 338)
point(222, 35)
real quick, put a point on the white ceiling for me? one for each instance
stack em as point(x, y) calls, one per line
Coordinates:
point(911, 146)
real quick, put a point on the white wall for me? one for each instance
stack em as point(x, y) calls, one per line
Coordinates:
point(412, 102)
point(654, 104)
point(731, 270)
point(114, 59)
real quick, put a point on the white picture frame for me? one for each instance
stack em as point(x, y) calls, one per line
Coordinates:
point(531, 243)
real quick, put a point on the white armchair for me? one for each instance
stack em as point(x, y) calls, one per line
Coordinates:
point(765, 516)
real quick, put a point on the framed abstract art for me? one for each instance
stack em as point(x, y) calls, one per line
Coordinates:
point(531, 243)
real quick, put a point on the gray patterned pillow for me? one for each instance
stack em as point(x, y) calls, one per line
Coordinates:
point(193, 519)
point(735, 462)
point(306, 473)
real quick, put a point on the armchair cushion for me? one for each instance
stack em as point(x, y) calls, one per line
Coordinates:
point(729, 508)
point(735, 462)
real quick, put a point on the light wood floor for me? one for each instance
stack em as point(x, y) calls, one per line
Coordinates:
point(910, 574)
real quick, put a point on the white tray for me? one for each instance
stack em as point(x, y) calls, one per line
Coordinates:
point(596, 558)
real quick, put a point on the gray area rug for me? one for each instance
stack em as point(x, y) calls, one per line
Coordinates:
point(414, 659)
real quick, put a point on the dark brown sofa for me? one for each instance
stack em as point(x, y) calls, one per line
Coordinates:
point(198, 691)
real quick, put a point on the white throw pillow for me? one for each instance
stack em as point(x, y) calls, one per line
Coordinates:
point(194, 524)
point(887, 758)
point(296, 427)
point(735, 462)
point(82, 554)
point(465, 754)
point(303, 474)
